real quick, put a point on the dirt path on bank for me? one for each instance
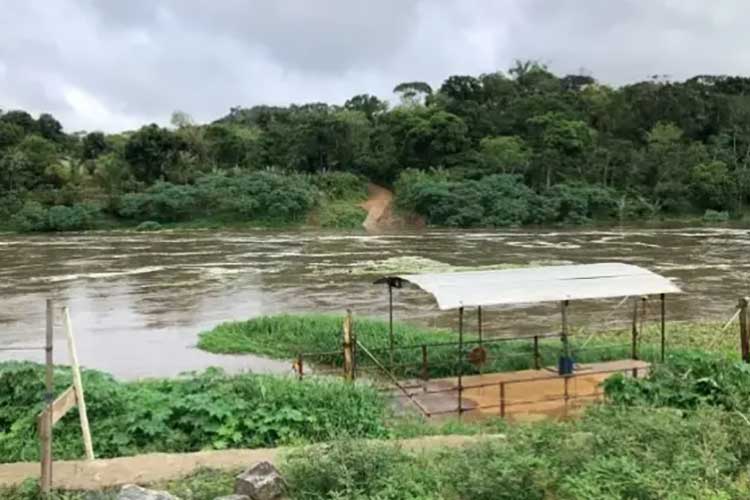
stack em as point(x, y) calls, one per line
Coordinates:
point(145, 469)
point(379, 208)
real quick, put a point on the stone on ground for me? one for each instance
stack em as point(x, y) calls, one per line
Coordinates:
point(261, 482)
point(134, 492)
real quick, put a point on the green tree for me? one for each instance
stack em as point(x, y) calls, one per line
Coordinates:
point(151, 151)
point(712, 186)
point(412, 93)
point(505, 154)
point(562, 146)
point(367, 104)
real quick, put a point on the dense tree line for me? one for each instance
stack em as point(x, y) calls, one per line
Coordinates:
point(526, 146)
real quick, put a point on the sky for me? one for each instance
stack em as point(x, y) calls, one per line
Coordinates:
point(114, 65)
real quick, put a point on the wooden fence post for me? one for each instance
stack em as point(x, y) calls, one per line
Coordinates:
point(744, 337)
point(537, 357)
point(502, 399)
point(348, 349)
point(425, 366)
point(78, 386)
point(634, 332)
point(45, 419)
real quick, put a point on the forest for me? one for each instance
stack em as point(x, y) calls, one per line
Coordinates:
point(524, 146)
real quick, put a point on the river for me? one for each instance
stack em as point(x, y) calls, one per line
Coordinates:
point(138, 300)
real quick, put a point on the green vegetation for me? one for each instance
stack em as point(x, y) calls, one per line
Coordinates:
point(499, 149)
point(611, 453)
point(208, 410)
point(678, 434)
point(285, 336)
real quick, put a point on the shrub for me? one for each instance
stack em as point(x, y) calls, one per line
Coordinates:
point(340, 185)
point(611, 453)
point(164, 202)
point(148, 225)
point(74, 218)
point(342, 215)
point(208, 410)
point(715, 216)
point(260, 195)
point(32, 217)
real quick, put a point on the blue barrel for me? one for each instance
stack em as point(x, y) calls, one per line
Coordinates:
point(565, 365)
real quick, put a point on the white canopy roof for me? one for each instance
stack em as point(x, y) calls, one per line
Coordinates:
point(538, 284)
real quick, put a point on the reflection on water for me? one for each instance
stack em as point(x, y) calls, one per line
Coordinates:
point(138, 300)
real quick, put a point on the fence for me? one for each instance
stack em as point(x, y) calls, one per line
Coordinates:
point(404, 367)
point(56, 408)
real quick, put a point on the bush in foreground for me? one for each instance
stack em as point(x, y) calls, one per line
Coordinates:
point(207, 410)
point(611, 453)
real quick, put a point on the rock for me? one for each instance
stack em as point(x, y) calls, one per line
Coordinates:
point(234, 497)
point(134, 492)
point(261, 482)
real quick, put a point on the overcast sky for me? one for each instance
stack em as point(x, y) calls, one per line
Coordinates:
point(116, 64)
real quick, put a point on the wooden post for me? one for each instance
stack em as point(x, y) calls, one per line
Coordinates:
point(300, 366)
point(744, 337)
point(348, 354)
point(663, 326)
point(634, 332)
point(390, 321)
point(479, 324)
point(460, 359)
point(537, 360)
point(78, 386)
point(45, 421)
point(566, 393)
point(425, 367)
point(502, 399)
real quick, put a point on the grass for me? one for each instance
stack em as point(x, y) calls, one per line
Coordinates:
point(285, 336)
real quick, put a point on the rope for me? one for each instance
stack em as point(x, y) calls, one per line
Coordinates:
point(611, 313)
point(715, 340)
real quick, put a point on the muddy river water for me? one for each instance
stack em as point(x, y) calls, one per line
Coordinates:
point(138, 300)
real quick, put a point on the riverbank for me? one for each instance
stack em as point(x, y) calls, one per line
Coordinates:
point(647, 448)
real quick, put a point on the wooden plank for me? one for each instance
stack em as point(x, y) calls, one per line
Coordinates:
point(78, 386)
point(62, 404)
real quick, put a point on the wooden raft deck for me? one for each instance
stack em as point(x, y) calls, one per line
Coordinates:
point(518, 395)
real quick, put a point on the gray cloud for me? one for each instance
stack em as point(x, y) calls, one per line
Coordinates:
point(113, 65)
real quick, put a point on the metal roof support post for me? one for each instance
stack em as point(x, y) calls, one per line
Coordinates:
point(663, 325)
point(460, 360)
point(565, 364)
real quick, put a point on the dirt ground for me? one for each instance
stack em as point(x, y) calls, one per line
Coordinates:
point(144, 469)
point(379, 209)
point(380, 214)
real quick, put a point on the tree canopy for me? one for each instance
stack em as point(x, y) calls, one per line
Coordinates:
point(676, 147)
